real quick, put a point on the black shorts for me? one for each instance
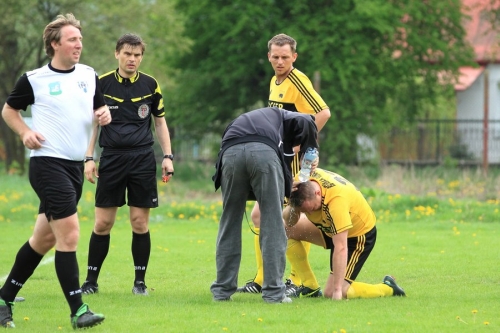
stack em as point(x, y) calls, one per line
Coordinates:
point(133, 172)
point(358, 250)
point(58, 184)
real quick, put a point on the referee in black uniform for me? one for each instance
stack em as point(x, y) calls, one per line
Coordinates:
point(127, 168)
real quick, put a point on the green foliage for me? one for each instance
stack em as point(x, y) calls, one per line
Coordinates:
point(370, 54)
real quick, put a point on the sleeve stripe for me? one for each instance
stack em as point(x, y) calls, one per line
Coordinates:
point(300, 86)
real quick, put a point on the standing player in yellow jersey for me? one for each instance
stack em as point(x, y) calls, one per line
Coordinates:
point(342, 221)
point(290, 89)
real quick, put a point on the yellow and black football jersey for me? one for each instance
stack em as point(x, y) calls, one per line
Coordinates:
point(343, 206)
point(295, 93)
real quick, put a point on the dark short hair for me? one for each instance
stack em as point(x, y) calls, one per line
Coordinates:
point(305, 191)
point(132, 40)
point(281, 40)
point(52, 32)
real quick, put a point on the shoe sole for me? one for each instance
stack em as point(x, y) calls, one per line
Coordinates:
point(90, 326)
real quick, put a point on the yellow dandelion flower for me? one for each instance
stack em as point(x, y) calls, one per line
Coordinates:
point(474, 311)
point(26, 318)
point(259, 319)
point(342, 330)
point(486, 322)
point(181, 216)
point(224, 328)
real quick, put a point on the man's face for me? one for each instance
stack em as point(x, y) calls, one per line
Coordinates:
point(281, 58)
point(311, 205)
point(129, 60)
point(69, 48)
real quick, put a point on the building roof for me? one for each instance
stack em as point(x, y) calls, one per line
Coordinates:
point(467, 77)
point(483, 38)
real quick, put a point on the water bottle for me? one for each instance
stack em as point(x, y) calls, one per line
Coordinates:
point(305, 168)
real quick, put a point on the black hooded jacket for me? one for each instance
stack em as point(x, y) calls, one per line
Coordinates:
point(280, 129)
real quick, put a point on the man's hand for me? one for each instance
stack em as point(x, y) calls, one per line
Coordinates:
point(91, 171)
point(167, 168)
point(103, 115)
point(314, 165)
point(295, 185)
point(32, 139)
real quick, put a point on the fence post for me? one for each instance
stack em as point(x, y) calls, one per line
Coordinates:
point(485, 121)
point(438, 142)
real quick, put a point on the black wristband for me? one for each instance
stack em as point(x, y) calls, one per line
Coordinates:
point(169, 156)
point(88, 158)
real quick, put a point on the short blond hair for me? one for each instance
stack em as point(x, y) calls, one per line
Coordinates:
point(52, 32)
point(281, 40)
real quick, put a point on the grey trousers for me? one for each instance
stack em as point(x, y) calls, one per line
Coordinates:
point(251, 166)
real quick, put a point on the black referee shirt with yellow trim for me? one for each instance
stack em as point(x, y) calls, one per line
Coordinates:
point(131, 103)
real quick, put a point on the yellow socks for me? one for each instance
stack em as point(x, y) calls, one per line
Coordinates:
point(365, 290)
point(259, 278)
point(297, 256)
point(297, 252)
point(294, 276)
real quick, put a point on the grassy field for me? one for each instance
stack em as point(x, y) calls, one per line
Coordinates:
point(441, 249)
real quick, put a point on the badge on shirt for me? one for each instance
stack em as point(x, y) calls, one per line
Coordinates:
point(55, 88)
point(83, 85)
point(143, 111)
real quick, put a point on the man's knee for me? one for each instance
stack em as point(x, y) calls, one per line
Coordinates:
point(103, 227)
point(41, 244)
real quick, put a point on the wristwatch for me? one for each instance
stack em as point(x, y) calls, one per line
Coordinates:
point(169, 156)
point(88, 158)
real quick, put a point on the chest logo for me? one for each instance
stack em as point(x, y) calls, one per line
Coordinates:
point(83, 85)
point(143, 111)
point(55, 88)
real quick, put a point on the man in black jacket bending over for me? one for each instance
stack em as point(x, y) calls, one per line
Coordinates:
point(254, 163)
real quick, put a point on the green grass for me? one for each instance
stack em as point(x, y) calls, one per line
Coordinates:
point(443, 252)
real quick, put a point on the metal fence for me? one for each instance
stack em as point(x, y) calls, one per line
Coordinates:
point(425, 142)
point(438, 140)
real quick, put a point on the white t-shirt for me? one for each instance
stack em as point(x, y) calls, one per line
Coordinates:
point(62, 107)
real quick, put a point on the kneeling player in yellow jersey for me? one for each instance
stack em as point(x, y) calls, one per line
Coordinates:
point(340, 219)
